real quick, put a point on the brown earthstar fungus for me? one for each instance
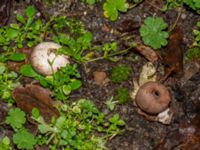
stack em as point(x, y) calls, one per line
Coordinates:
point(152, 97)
point(45, 60)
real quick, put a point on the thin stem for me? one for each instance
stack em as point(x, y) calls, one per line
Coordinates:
point(177, 19)
point(51, 137)
point(110, 55)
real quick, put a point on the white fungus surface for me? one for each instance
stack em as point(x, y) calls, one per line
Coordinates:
point(44, 54)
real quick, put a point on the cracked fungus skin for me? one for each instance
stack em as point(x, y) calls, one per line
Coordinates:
point(44, 54)
point(152, 97)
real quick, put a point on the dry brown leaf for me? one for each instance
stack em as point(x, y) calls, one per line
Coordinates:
point(147, 52)
point(34, 96)
point(173, 55)
point(129, 25)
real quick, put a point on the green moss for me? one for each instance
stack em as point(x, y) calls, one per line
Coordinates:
point(193, 53)
point(122, 95)
point(120, 73)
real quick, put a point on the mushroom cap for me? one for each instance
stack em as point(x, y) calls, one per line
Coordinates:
point(44, 54)
point(152, 97)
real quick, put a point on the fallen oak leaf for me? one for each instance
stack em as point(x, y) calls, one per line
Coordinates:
point(34, 96)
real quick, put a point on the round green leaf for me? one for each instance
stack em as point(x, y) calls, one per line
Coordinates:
point(28, 71)
point(2, 68)
point(35, 113)
point(20, 18)
point(75, 84)
point(17, 57)
point(30, 11)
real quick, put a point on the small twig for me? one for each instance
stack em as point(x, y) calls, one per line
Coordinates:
point(177, 19)
point(132, 6)
point(150, 3)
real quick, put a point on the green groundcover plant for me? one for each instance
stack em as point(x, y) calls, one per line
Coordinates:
point(152, 32)
point(80, 126)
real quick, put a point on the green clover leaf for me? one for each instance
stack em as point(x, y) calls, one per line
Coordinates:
point(28, 71)
point(17, 57)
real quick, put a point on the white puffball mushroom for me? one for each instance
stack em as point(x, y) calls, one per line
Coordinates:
point(44, 59)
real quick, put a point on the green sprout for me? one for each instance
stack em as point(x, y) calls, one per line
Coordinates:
point(5, 144)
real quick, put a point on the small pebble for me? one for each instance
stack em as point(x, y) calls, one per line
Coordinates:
point(183, 16)
point(100, 77)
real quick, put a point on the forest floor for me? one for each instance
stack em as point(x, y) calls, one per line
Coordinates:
point(140, 133)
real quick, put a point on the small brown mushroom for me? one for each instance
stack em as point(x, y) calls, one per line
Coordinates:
point(152, 97)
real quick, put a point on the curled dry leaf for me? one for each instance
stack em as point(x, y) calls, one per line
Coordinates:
point(147, 52)
point(147, 74)
point(173, 55)
point(136, 88)
point(143, 50)
point(165, 117)
point(34, 96)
